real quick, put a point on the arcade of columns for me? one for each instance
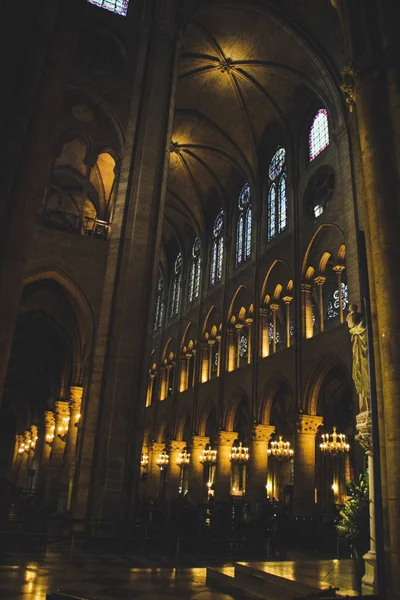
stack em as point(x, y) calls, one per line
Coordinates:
point(44, 456)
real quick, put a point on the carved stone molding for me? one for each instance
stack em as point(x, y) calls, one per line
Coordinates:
point(176, 446)
point(309, 424)
point(364, 428)
point(76, 393)
point(157, 448)
point(262, 433)
point(49, 421)
point(226, 438)
point(199, 442)
point(62, 408)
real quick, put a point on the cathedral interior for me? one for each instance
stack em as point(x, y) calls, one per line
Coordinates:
point(199, 249)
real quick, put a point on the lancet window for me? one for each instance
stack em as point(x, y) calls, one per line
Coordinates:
point(217, 249)
point(194, 280)
point(176, 287)
point(318, 138)
point(243, 226)
point(120, 7)
point(158, 317)
point(277, 197)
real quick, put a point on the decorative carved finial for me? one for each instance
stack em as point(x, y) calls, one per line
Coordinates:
point(226, 65)
point(349, 74)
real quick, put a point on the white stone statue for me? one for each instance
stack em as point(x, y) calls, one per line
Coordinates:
point(359, 344)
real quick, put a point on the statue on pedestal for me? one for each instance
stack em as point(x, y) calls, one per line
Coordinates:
point(359, 342)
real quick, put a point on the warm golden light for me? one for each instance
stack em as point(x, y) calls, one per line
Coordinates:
point(239, 454)
point(162, 460)
point(144, 461)
point(208, 456)
point(337, 445)
point(183, 459)
point(280, 450)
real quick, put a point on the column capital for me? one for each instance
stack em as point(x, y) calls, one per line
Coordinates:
point(238, 326)
point(306, 287)
point(274, 307)
point(62, 408)
point(263, 312)
point(249, 321)
point(364, 428)
point(226, 438)
point(176, 446)
point(320, 280)
point(308, 424)
point(157, 447)
point(199, 442)
point(287, 299)
point(339, 268)
point(262, 433)
point(49, 420)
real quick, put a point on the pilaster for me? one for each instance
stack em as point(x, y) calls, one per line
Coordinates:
point(196, 468)
point(304, 465)
point(174, 470)
point(224, 445)
point(258, 463)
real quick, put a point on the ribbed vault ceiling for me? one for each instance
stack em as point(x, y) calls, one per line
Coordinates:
point(240, 71)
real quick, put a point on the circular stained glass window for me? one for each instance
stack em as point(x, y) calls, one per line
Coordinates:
point(178, 263)
point(245, 196)
point(277, 164)
point(218, 223)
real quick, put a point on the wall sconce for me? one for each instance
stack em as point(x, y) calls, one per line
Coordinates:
point(62, 430)
point(50, 437)
point(78, 418)
point(162, 460)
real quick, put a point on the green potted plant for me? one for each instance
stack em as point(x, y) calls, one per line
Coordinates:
point(353, 523)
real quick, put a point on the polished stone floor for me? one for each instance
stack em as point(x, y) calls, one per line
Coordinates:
point(106, 579)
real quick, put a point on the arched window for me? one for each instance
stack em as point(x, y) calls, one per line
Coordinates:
point(158, 318)
point(194, 281)
point(117, 6)
point(277, 199)
point(176, 287)
point(318, 138)
point(333, 306)
point(217, 249)
point(243, 226)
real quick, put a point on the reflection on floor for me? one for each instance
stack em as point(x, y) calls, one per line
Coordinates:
point(318, 573)
point(106, 579)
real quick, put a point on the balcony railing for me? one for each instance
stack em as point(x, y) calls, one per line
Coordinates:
point(72, 223)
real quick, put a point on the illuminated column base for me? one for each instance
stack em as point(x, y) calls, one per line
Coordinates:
point(174, 470)
point(223, 471)
point(364, 437)
point(196, 487)
point(304, 466)
point(56, 464)
point(258, 462)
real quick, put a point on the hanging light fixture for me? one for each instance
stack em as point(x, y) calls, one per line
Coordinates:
point(50, 436)
point(209, 457)
point(62, 429)
point(183, 459)
point(239, 454)
point(144, 461)
point(280, 450)
point(162, 460)
point(337, 445)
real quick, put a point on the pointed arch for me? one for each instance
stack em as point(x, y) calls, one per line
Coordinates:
point(238, 396)
point(205, 413)
point(270, 390)
point(316, 381)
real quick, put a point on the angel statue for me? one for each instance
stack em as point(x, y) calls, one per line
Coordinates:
point(360, 374)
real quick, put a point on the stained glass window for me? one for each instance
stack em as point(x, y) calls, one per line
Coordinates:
point(158, 317)
point(243, 226)
point(194, 280)
point(318, 138)
point(277, 197)
point(217, 250)
point(243, 346)
point(333, 306)
point(214, 365)
point(120, 7)
point(176, 286)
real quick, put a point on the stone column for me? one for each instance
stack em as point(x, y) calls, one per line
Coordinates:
point(19, 438)
point(287, 300)
point(174, 470)
point(149, 394)
point(163, 382)
point(223, 471)
point(57, 456)
point(258, 463)
point(321, 317)
point(249, 323)
point(75, 403)
point(231, 347)
point(238, 335)
point(153, 486)
point(23, 476)
point(264, 333)
point(204, 362)
point(49, 432)
point(308, 327)
point(196, 491)
point(183, 375)
point(304, 465)
point(364, 437)
point(210, 353)
point(219, 355)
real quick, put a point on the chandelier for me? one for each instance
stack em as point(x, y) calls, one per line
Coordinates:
point(183, 459)
point(162, 460)
point(209, 457)
point(239, 455)
point(280, 450)
point(336, 446)
point(144, 461)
